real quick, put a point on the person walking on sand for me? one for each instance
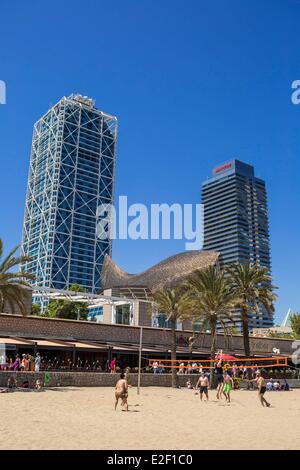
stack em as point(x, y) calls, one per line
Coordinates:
point(203, 384)
point(261, 385)
point(228, 386)
point(121, 391)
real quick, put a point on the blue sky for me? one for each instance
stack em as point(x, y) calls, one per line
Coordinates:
point(192, 83)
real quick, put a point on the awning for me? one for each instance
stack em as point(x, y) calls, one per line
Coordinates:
point(80, 345)
point(154, 350)
point(52, 344)
point(122, 348)
point(15, 341)
point(58, 344)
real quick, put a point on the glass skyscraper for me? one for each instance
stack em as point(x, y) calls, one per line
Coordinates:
point(71, 173)
point(236, 220)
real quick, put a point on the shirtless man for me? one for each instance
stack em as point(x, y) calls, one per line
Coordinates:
point(121, 391)
point(228, 386)
point(261, 385)
point(203, 383)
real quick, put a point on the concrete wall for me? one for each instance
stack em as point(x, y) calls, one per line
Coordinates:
point(90, 379)
point(86, 379)
point(107, 313)
point(142, 310)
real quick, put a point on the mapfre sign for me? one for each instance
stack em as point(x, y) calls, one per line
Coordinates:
point(219, 169)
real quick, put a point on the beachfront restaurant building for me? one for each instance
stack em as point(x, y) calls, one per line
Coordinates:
point(122, 320)
point(85, 345)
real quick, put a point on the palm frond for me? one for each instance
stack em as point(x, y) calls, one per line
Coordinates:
point(13, 292)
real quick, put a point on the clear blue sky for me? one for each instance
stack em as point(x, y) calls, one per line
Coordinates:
point(192, 83)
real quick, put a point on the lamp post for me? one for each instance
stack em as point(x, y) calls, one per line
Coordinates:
point(140, 360)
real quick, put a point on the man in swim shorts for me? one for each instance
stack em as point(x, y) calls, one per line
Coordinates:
point(203, 383)
point(262, 387)
point(121, 391)
point(228, 386)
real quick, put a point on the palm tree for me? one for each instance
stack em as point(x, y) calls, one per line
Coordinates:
point(253, 287)
point(213, 300)
point(175, 304)
point(295, 324)
point(12, 283)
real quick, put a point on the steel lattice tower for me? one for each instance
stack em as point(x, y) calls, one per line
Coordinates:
point(71, 173)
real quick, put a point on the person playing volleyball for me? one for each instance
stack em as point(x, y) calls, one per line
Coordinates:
point(262, 387)
point(203, 383)
point(220, 379)
point(121, 391)
point(228, 386)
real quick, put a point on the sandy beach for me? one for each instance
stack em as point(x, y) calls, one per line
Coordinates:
point(159, 418)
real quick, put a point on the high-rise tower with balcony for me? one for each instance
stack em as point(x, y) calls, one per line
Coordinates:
point(236, 220)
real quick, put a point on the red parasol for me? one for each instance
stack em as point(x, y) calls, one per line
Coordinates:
point(225, 357)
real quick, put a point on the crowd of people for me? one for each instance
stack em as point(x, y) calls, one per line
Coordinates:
point(277, 385)
point(234, 370)
point(158, 367)
point(24, 362)
point(225, 382)
point(35, 363)
point(12, 384)
point(226, 376)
